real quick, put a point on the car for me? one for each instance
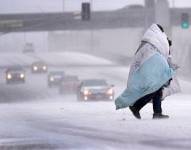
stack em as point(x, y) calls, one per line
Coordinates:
point(69, 85)
point(55, 78)
point(39, 67)
point(15, 74)
point(95, 89)
point(28, 48)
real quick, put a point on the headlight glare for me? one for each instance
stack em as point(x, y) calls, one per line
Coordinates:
point(86, 92)
point(51, 79)
point(35, 68)
point(110, 91)
point(44, 67)
point(9, 76)
point(22, 75)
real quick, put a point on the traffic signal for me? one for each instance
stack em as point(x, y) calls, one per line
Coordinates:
point(86, 11)
point(185, 23)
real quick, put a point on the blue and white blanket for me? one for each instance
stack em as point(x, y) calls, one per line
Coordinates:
point(149, 70)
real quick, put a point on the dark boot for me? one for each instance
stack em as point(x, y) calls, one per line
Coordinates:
point(160, 116)
point(135, 112)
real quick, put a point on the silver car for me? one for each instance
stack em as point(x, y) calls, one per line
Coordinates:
point(95, 89)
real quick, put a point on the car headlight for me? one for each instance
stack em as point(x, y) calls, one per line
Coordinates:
point(44, 67)
point(9, 76)
point(110, 91)
point(22, 75)
point(51, 79)
point(35, 68)
point(86, 92)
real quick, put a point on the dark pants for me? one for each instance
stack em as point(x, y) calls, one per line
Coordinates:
point(156, 98)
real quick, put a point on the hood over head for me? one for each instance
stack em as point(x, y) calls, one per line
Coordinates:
point(156, 37)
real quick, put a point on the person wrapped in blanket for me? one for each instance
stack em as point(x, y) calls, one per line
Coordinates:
point(150, 72)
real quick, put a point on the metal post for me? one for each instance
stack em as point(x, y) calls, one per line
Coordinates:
point(173, 3)
point(91, 2)
point(91, 32)
point(63, 5)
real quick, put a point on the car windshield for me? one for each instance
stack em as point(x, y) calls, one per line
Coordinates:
point(38, 63)
point(57, 73)
point(71, 78)
point(95, 83)
point(15, 69)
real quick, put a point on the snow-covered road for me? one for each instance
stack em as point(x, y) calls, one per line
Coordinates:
point(63, 124)
point(34, 117)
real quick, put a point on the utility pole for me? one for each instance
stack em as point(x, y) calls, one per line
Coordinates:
point(92, 32)
point(173, 3)
point(63, 5)
point(91, 2)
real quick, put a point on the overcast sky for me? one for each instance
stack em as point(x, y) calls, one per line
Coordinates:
point(19, 6)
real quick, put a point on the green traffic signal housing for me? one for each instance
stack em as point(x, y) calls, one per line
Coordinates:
point(185, 24)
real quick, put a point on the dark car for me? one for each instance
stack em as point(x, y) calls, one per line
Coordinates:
point(28, 48)
point(55, 78)
point(69, 85)
point(95, 89)
point(15, 74)
point(39, 67)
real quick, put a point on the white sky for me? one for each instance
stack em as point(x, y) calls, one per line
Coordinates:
point(19, 6)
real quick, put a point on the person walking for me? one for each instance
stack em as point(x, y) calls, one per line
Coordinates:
point(149, 74)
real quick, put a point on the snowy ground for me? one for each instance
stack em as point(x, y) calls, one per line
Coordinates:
point(34, 117)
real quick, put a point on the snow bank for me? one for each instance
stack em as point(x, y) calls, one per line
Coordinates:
point(11, 59)
point(72, 58)
point(52, 59)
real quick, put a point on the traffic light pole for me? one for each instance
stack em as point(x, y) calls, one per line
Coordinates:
point(91, 30)
point(173, 3)
point(63, 5)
